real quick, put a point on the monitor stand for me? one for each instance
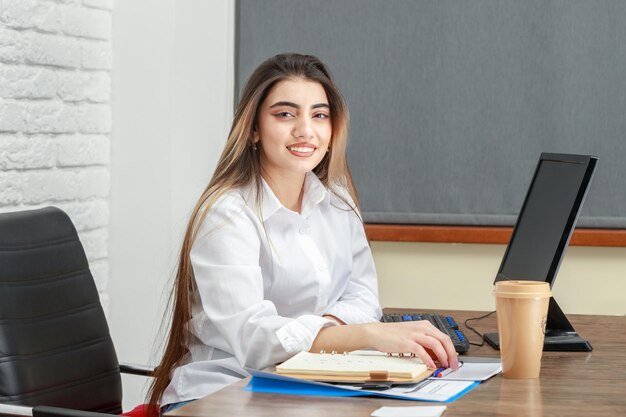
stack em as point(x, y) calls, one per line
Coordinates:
point(560, 335)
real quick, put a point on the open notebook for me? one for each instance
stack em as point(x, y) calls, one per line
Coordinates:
point(356, 366)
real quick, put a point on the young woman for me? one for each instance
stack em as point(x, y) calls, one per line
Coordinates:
point(275, 258)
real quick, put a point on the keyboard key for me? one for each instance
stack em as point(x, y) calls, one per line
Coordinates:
point(452, 322)
point(460, 335)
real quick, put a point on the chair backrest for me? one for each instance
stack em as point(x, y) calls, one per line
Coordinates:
point(55, 347)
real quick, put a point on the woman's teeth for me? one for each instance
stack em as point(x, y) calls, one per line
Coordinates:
point(300, 149)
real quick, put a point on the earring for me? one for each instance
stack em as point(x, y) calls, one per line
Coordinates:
point(254, 146)
point(327, 150)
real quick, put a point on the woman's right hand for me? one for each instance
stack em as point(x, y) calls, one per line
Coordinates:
point(418, 337)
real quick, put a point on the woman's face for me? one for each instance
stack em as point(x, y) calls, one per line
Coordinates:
point(294, 128)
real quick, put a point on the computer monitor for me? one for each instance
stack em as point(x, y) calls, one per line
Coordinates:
point(541, 235)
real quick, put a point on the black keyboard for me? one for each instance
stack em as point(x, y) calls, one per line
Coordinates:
point(444, 323)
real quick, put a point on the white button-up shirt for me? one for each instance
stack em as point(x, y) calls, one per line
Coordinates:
point(265, 277)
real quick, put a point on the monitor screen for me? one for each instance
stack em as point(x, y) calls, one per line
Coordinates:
point(547, 217)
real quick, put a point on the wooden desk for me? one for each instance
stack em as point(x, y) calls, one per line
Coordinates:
point(571, 384)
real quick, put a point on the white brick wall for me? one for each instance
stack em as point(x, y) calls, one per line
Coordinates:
point(55, 115)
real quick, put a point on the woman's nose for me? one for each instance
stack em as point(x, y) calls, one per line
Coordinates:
point(303, 128)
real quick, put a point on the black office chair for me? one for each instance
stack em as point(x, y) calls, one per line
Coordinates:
point(56, 355)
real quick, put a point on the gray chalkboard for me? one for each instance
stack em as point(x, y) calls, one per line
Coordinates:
point(453, 101)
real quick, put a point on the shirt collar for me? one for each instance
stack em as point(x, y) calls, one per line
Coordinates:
point(314, 193)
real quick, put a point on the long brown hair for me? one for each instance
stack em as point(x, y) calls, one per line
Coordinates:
point(238, 166)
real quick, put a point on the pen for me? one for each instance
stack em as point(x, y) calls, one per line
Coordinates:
point(444, 372)
point(376, 386)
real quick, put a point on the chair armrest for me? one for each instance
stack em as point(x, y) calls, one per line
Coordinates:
point(15, 410)
point(48, 411)
point(134, 369)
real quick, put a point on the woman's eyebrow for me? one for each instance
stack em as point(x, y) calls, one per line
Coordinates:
point(297, 106)
point(285, 103)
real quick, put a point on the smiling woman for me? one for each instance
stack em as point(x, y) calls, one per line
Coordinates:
point(275, 260)
point(293, 135)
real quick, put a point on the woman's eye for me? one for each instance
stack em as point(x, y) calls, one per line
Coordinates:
point(321, 116)
point(284, 114)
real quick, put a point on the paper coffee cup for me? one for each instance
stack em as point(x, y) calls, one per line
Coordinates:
point(522, 310)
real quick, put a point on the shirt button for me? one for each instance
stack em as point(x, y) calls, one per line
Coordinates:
point(304, 230)
point(321, 267)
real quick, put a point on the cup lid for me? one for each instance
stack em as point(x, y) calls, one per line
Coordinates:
point(519, 288)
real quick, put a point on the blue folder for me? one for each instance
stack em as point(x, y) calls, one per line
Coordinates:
point(280, 384)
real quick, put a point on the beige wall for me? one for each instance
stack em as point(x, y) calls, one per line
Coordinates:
point(460, 276)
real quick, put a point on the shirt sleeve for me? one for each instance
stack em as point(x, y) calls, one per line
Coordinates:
point(229, 282)
point(359, 302)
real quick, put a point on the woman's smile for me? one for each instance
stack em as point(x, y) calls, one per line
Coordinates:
point(301, 150)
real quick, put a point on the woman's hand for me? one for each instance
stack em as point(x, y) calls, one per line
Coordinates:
point(418, 337)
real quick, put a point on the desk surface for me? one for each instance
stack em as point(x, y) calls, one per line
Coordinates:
point(571, 384)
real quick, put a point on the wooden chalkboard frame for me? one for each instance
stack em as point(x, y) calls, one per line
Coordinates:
point(486, 235)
